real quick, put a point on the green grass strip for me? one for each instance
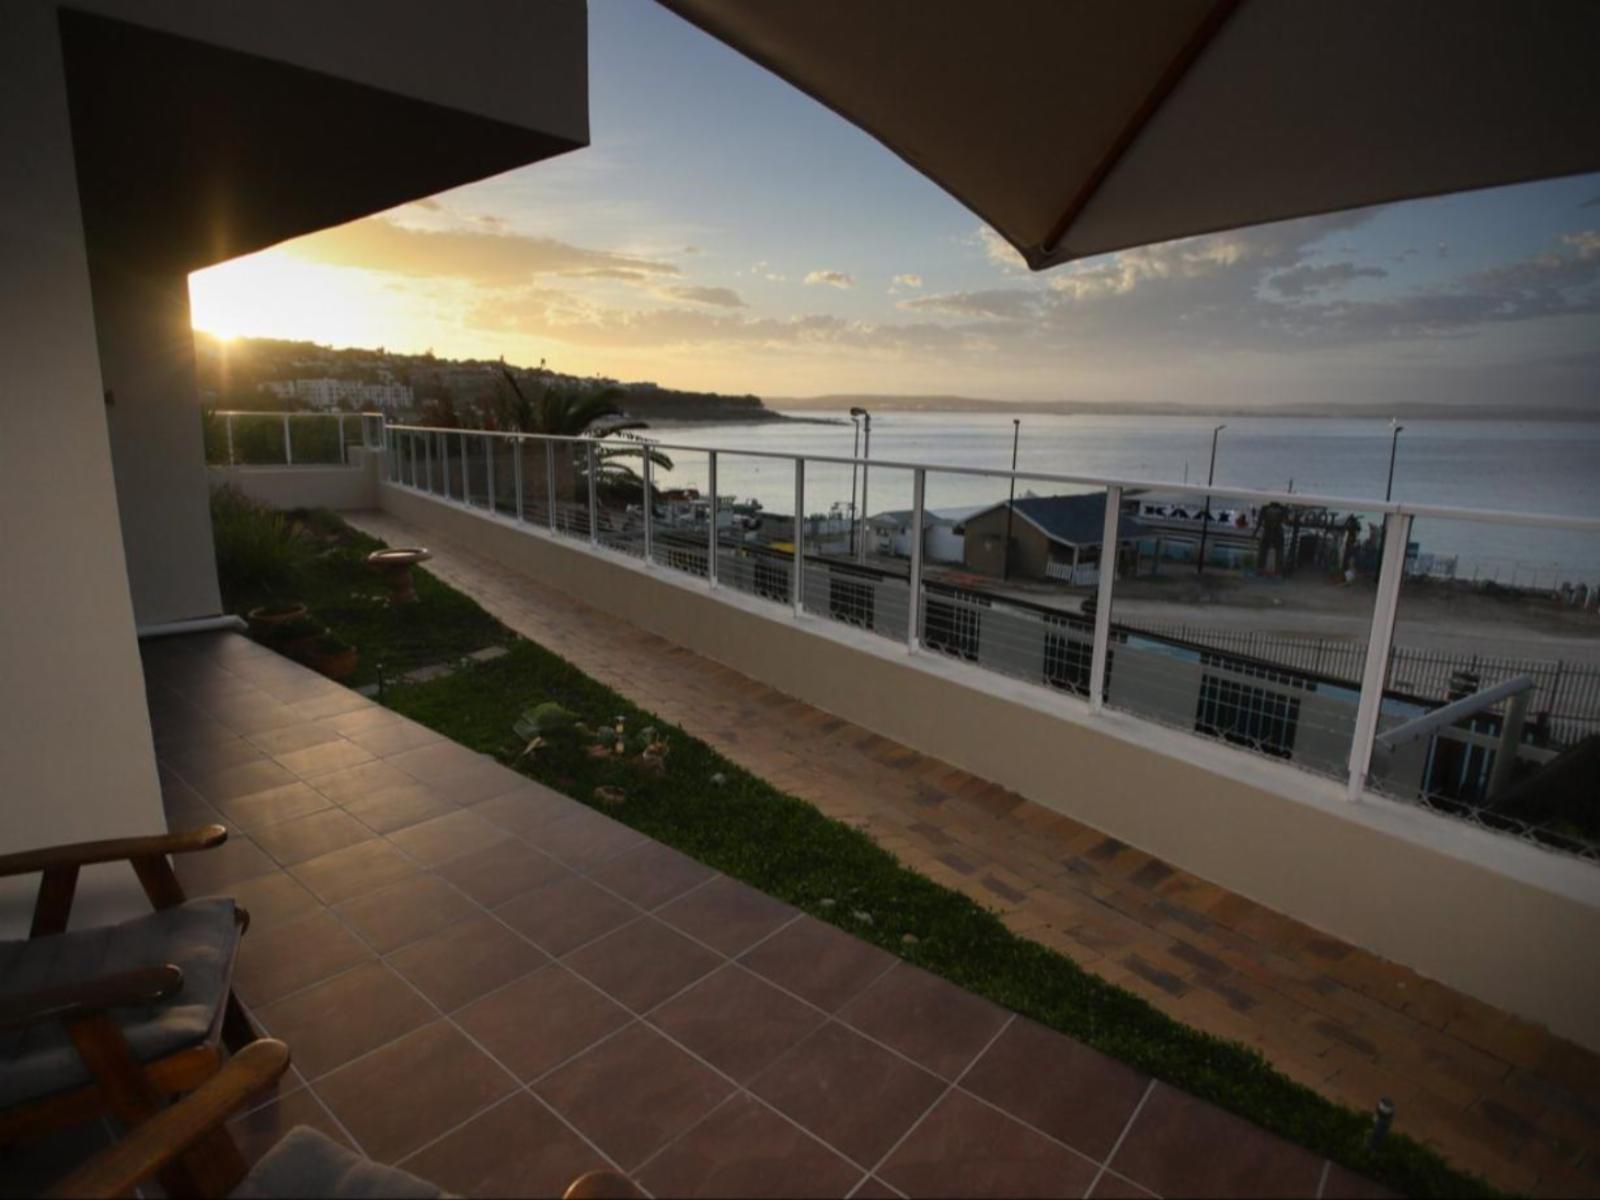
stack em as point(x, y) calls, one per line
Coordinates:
point(750, 830)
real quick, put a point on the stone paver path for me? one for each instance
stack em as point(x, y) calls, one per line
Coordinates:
point(1495, 1094)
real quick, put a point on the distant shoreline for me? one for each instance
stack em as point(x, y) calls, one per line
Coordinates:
point(972, 405)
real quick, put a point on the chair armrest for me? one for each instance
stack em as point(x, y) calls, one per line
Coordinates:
point(156, 1143)
point(82, 854)
point(125, 989)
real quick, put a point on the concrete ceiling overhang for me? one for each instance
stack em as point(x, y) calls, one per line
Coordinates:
point(189, 153)
point(1079, 127)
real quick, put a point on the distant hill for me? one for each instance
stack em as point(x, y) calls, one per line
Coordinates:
point(236, 374)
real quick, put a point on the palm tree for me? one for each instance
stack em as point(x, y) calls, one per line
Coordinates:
point(568, 412)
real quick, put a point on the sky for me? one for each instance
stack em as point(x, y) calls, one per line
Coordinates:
point(725, 232)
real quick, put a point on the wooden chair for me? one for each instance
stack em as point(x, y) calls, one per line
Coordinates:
point(115, 1019)
point(303, 1163)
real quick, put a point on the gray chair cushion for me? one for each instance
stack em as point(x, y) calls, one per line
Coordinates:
point(199, 937)
point(306, 1165)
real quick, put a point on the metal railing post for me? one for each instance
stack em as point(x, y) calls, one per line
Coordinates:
point(797, 583)
point(342, 459)
point(488, 469)
point(550, 482)
point(711, 536)
point(466, 471)
point(516, 474)
point(594, 508)
point(1385, 607)
point(413, 446)
point(919, 484)
point(427, 459)
point(444, 457)
point(288, 443)
point(649, 509)
point(227, 425)
point(1109, 542)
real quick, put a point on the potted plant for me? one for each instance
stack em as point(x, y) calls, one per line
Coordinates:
point(265, 619)
point(332, 656)
point(294, 637)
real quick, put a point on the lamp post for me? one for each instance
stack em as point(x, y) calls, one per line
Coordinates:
point(1388, 490)
point(1016, 433)
point(1394, 446)
point(855, 453)
point(1205, 524)
point(866, 453)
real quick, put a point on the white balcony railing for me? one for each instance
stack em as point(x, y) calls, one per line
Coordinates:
point(1322, 718)
point(236, 438)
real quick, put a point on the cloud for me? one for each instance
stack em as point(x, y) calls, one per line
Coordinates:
point(493, 259)
point(838, 279)
point(1298, 281)
point(907, 281)
point(1591, 202)
point(765, 271)
point(1000, 252)
point(721, 297)
point(626, 274)
point(1005, 304)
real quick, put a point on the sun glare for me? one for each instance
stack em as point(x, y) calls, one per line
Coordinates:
point(275, 294)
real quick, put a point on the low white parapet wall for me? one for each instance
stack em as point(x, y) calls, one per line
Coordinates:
point(310, 485)
point(1499, 919)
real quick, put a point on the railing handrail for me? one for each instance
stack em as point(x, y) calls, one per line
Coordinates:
point(299, 412)
point(1301, 499)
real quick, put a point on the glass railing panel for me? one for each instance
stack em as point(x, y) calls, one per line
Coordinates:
point(1500, 622)
point(852, 574)
point(501, 451)
point(755, 525)
point(1244, 621)
point(258, 439)
point(572, 489)
point(315, 439)
point(1015, 613)
point(535, 483)
point(619, 493)
point(681, 510)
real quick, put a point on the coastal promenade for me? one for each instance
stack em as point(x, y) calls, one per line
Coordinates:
point(1494, 1094)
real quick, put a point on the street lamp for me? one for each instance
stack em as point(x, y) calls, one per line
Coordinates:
point(855, 453)
point(1205, 525)
point(866, 453)
point(1016, 433)
point(1394, 446)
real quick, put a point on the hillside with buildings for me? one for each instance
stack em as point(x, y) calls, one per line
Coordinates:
point(266, 374)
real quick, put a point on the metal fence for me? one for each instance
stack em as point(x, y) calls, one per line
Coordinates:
point(1565, 696)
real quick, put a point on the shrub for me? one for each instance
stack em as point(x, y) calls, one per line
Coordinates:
point(258, 553)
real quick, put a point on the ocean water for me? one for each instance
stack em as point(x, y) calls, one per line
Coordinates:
point(1526, 466)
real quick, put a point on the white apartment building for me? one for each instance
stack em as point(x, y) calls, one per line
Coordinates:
point(328, 394)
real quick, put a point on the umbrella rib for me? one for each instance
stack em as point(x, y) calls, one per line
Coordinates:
point(1201, 37)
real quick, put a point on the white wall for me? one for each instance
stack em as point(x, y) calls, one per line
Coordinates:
point(75, 754)
point(340, 488)
point(147, 362)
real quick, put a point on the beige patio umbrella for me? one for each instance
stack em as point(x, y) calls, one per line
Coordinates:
point(1077, 127)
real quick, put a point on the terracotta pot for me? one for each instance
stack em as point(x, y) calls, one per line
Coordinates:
point(263, 619)
point(338, 666)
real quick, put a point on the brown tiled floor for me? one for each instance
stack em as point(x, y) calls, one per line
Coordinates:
point(500, 1018)
point(1494, 1094)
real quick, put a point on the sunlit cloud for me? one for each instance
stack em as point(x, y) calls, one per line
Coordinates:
point(380, 243)
point(720, 297)
point(907, 281)
point(838, 279)
point(999, 251)
point(1298, 281)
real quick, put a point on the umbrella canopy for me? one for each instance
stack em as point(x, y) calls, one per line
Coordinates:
point(1078, 127)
